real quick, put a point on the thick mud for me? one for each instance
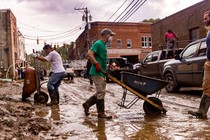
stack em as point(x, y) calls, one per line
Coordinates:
point(26, 120)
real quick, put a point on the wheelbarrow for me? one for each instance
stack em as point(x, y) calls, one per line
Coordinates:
point(141, 86)
point(32, 84)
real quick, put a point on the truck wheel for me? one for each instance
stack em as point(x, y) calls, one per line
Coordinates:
point(76, 73)
point(172, 87)
point(82, 73)
point(72, 77)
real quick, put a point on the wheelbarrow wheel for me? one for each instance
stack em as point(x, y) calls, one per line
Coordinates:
point(41, 97)
point(150, 109)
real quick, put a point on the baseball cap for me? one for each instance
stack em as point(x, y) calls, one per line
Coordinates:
point(107, 31)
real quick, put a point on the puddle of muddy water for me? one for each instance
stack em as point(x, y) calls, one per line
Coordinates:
point(69, 121)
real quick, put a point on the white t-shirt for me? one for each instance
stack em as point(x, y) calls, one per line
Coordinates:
point(56, 62)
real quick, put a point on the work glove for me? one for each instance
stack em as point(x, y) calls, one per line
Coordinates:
point(98, 67)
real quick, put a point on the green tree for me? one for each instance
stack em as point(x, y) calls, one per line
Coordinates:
point(151, 20)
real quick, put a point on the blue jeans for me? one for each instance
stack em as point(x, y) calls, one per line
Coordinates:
point(55, 81)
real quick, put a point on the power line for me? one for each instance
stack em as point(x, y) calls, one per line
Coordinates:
point(124, 10)
point(69, 31)
point(132, 11)
point(35, 28)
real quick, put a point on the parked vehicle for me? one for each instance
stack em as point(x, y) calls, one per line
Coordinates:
point(187, 68)
point(152, 65)
point(69, 70)
point(79, 66)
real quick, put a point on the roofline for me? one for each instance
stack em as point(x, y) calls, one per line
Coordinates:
point(120, 23)
point(180, 11)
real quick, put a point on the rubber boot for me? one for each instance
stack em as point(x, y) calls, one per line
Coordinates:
point(203, 108)
point(91, 82)
point(53, 97)
point(58, 97)
point(100, 108)
point(91, 101)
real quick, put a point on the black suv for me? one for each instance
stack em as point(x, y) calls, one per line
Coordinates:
point(187, 68)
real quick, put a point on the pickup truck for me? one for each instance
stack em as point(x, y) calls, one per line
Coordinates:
point(79, 66)
point(152, 64)
point(187, 68)
point(69, 71)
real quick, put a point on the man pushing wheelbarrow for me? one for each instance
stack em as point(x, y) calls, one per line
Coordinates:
point(57, 70)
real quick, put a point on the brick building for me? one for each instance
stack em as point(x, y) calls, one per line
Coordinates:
point(187, 24)
point(132, 40)
point(21, 50)
point(8, 41)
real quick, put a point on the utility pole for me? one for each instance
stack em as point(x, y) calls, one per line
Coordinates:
point(86, 18)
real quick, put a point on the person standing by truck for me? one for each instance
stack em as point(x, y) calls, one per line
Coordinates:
point(98, 57)
point(88, 66)
point(205, 99)
point(170, 38)
point(58, 73)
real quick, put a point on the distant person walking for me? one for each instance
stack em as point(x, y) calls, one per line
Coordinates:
point(170, 38)
point(98, 57)
point(57, 73)
point(88, 66)
point(205, 100)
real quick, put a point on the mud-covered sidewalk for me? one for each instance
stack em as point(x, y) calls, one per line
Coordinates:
point(28, 121)
point(16, 118)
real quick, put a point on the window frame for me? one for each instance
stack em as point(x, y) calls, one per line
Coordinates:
point(144, 41)
point(119, 44)
point(129, 42)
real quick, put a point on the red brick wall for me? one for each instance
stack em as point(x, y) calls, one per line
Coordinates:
point(124, 31)
point(181, 23)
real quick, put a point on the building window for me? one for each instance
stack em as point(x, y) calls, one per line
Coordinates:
point(144, 40)
point(119, 43)
point(150, 42)
point(109, 44)
point(129, 43)
point(194, 34)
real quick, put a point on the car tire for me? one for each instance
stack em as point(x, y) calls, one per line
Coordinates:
point(77, 73)
point(82, 73)
point(72, 77)
point(172, 87)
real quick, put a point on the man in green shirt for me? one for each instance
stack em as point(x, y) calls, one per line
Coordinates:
point(98, 56)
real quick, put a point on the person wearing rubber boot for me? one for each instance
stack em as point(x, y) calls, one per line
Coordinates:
point(98, 57)
point(57, 74)
point(205, 100)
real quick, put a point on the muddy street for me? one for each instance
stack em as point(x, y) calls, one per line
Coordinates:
point(68, 121)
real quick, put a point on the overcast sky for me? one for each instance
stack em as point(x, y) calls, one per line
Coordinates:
point(57, 21)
